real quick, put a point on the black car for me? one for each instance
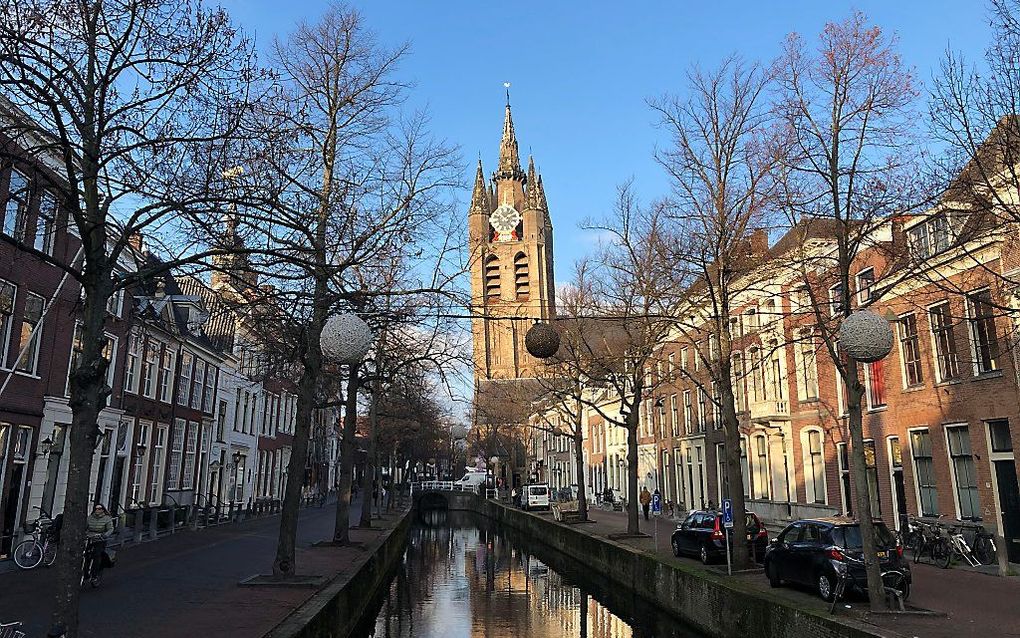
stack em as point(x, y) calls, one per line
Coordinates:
point(701, 535)
point(813, 552)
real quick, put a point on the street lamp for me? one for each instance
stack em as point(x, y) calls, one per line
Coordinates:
point(866, 336)
point(140, 450)
point(236, 458)
point(542, 340)
point(45, 446)
point(345, 338)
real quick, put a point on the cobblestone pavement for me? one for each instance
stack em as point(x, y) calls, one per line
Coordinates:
point(969, 603)
point(186, 584)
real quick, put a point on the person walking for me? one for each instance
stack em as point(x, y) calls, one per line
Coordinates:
point(646, 501)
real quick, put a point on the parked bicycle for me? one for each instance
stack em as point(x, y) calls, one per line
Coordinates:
point(944, 542)
point(41, 548)
point(894, 582)
point(928, 538)
point(11, 630)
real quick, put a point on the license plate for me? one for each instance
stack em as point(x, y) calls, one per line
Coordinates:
point(882, 554)
point(748, 537)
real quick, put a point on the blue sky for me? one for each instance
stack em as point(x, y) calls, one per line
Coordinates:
point(581, 73)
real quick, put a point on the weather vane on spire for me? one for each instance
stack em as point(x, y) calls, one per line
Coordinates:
point(506, 85)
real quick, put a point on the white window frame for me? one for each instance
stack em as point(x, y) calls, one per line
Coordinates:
point(913, 468)
point(190, 454)
point(36, 337)
point(159, 452)
point(934, 343)
point(861, 299)
point(972, 336)
point(811, 490)
point(952, 466)
point(173, 480)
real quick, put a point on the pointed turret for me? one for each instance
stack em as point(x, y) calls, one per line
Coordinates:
point(480, 195)
point(540, 190)
point(531, 194)
point(509, 158)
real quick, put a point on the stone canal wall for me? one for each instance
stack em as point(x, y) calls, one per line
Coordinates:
point(712, 602)
point(336, 609)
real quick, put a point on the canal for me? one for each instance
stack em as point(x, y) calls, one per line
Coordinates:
point(460, 578)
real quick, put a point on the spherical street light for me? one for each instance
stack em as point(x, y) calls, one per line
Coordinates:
point(866, 336)
point(542, 341)
point(458, 432)
point(345, 338)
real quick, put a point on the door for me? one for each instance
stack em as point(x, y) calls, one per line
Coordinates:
point(782, 555)
point(802, 553)
point(1009, 506)
point(688, 532)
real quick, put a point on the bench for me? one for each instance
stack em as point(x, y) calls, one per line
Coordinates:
point(566, 512)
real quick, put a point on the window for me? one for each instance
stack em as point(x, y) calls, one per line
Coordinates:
point(521, 279)
point(917, 238)
point(843, 456)
point(930, 237)
point(210, 380)
point(924, 472)
point(674, 415)
point(670, 364)
point(750, 320)
point(737, 381)
point(688, 413)
point(7, 294)
point(875, 379)
point(16, 206)
point(998, 432)
point(190, 449)
point(744, 470)
point(31, 333)
point(158, 459)
point(134, 350)
point(871, 469)
point(814, 467)
point(865, 285)
point(807, 369)
point(910, 351)
point(150, 368)
point(176, 454)
point(141, 457)
point(492, 281)
point(836, 300)
point(964, 472)
point(945, 342)
point(716, 416)
point(983, 338)
point(198, 383)
point(166, 377)
point(109, 353)
point(702, 409)
point(683, 358)
point(184, 378)
point(760, 475)
point(45, 226)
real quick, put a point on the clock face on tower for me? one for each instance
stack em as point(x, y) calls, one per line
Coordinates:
point(504, 221)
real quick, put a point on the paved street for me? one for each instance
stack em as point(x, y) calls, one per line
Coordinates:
point(970, 604)
point(186, 584)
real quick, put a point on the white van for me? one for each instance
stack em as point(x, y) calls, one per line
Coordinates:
point(472, 480)
point(536, 497)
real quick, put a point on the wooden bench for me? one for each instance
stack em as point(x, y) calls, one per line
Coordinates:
point(566, 512)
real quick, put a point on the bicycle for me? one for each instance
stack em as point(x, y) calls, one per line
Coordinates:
point(41, 549)
point(956, 545)
point(928, 537)
point(90, 571)
point(893, 581)
point(984, 548)
point(11, 630)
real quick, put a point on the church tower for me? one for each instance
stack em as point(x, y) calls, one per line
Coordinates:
point(510, 241)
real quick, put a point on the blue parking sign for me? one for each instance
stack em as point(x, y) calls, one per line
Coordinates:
point(727, 512)
point(656, 503)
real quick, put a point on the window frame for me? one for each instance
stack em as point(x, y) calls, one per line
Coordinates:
point(976, 325)
point(952, 357)
point(914, 340)
point(861, 289)
point(921, 490)
point(969, 507)
point(34, 339)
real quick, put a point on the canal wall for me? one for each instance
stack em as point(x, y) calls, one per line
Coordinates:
point(336, 609)
point(713, 602)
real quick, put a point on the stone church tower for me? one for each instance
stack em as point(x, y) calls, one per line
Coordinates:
point(511, 261)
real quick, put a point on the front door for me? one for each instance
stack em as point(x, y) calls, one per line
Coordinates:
point(1009, 506)
point(901, 497)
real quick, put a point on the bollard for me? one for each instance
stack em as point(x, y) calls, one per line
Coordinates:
point(230, 513)
point(139, 526)
point(153, 523)
point(1002, 554)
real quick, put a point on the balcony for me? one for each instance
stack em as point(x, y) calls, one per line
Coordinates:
point(772, 410)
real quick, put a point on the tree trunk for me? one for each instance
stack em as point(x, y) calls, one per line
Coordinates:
point(582, 496)
point(734, 476)
point(633, 527)
point(89, 393)
point(341, 531)
point(862, 494)
point(284, 565)
point(371, 475)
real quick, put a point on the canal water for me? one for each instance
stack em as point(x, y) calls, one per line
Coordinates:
point(460, 578)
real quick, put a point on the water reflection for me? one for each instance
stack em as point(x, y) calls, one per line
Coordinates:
point(461, 578)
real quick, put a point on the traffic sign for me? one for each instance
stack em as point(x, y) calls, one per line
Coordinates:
point(727, 512)
point(656, 504)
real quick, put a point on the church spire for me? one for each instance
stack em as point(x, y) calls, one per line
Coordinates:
point(531, 195)
point(480, 195)
point(509, 158)
point(540, 189)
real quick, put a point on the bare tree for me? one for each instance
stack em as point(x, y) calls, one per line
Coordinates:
point(724, 159)
point(847, 105)
point(134, 100)
point(631, 292)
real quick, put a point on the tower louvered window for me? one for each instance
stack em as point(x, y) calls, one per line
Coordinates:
point(522, 281)
point(492, 283)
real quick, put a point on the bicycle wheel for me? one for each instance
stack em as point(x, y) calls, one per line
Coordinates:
point(942, 553)
point(984, 550)
point(918, 547)
point(49, 553)
point(28, 554)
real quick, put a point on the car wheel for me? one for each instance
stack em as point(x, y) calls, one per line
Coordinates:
point(773, 574)
point(825, 586)
point(706, 558)
point(676, 547)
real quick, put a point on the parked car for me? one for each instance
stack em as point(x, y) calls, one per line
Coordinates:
point(536, 497)
point(813, 552)
point(701, 534)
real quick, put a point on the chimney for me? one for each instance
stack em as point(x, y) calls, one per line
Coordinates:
point(759, 241)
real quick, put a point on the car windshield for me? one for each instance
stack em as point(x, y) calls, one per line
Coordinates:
point(849, 536)
point(538, 491)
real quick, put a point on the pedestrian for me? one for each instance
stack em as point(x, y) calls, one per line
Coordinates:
point(99, 528)
point(646, 500)
point(513, 497)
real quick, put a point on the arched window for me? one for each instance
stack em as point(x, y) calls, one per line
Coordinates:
point(492, 281)
point(522, 281)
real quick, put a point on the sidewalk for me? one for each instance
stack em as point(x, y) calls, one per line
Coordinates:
point(970, 604)
point(186, 584)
